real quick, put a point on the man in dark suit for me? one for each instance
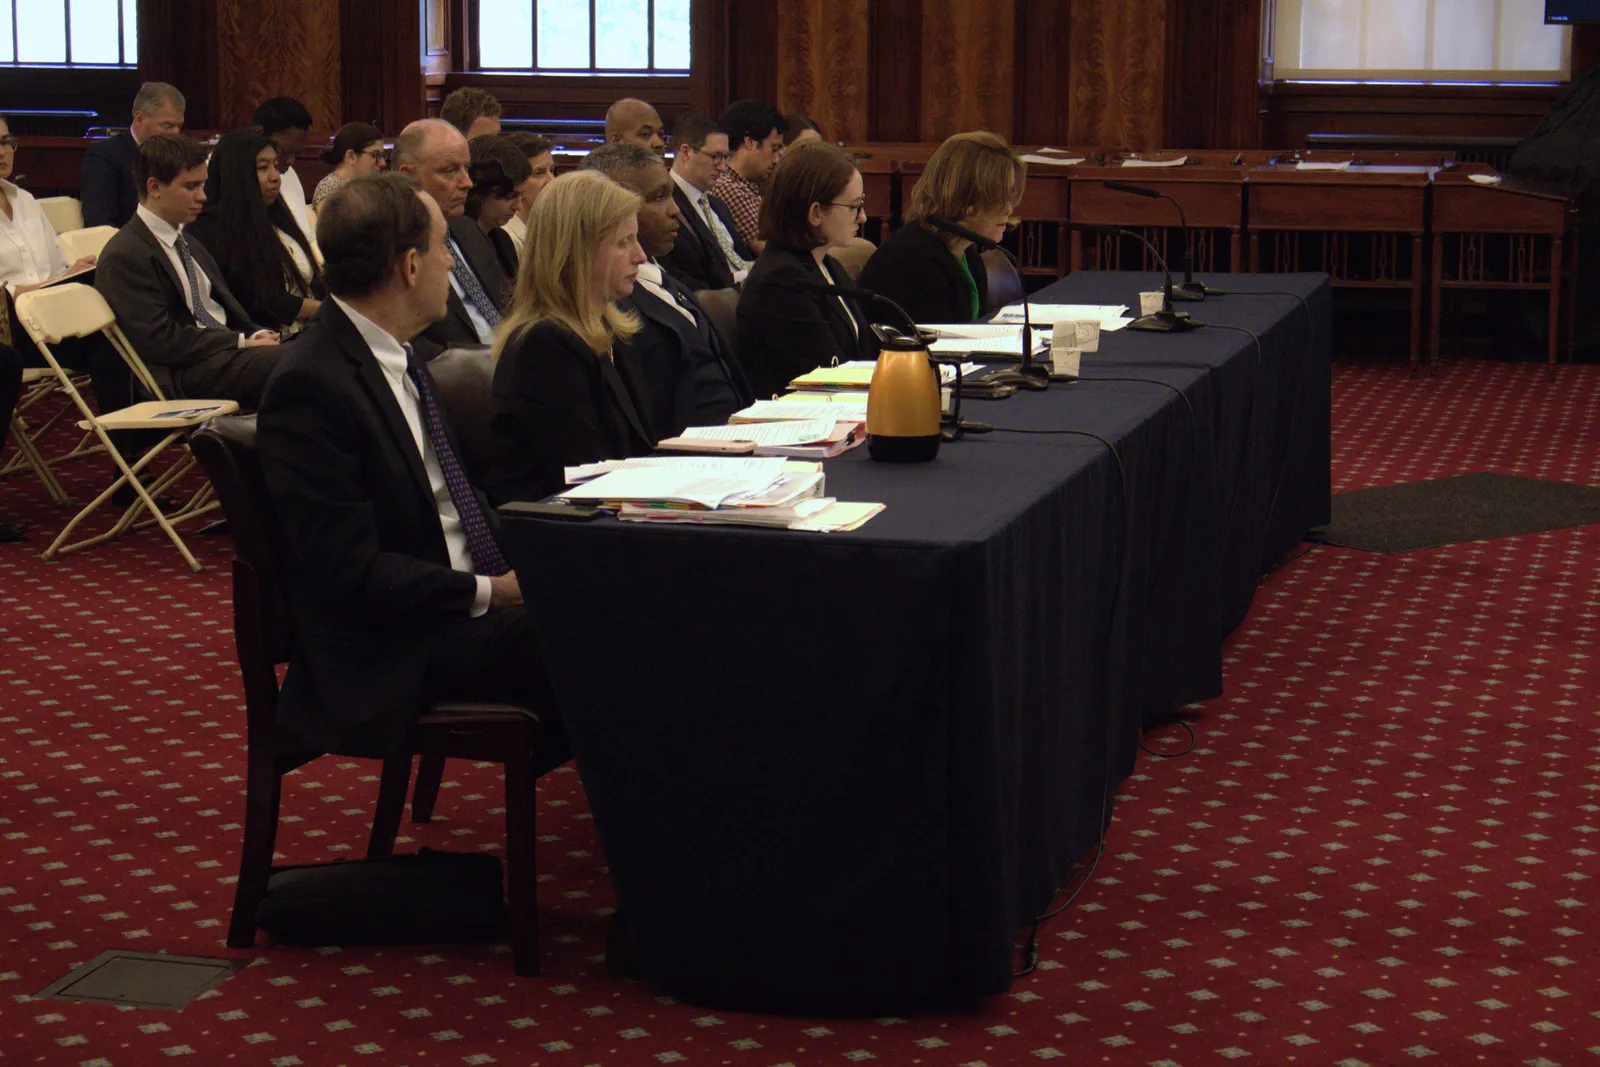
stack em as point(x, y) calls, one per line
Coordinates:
point(683, 363)
point(436, 154)
point(708, 253)
point(169, 295)
point(398, 592)
point(107, 189)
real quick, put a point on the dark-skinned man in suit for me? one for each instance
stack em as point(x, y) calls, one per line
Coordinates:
point(684, 364)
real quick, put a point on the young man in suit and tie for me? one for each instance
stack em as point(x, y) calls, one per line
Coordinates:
point(708, 253)
point(169, 295)
point(436, 154)
point(398, 590)
point(107, 189)
point(684, 364)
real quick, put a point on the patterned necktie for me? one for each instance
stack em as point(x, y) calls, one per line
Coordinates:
point(486, 556)
point(720, 232)
point(473, 288)
point(192, 273)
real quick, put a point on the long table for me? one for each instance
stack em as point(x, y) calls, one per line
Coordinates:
point(840, 773)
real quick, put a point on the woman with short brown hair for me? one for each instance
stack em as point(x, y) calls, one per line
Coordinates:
point(815, 202)
point(974, 180)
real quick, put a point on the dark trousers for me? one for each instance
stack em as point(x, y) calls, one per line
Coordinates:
point(10, 387)
point(493, 658)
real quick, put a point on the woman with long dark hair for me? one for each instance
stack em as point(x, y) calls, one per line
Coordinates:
point(249, 230)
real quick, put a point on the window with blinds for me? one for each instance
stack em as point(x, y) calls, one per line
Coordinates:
point(584, 36)
point(69, 33)
point(1418, 41)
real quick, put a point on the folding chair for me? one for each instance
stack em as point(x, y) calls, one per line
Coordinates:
point(27, 451)
point(64, 212)
point(75, 310)
point(79, 243)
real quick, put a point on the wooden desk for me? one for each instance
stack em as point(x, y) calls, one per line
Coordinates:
point(1505, 237)
point(1384, 205)
point(1212, 198)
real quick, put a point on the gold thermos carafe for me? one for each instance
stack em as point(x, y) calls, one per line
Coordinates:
point(903, 405)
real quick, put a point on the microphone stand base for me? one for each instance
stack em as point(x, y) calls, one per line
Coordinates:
point(1164, 322)
point(1194, 291)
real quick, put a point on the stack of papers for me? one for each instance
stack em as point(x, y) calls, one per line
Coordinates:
point(787, 494)
point(1062, 160)
point(985, 339)
point(1111, 317)
point(1306, 164)
point(788, 409)
point(1180, 161)
point(821, 438)
point(857, 374)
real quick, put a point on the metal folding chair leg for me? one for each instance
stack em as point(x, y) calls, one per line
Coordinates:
point(28, 456)
point(130, 476)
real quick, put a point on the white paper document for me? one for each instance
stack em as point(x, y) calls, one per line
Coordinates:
point(753, 470)
point(765, 433)
point(1180, 161)
point(800, 411)
point(1050, 161)
point(1112, 317)
point(1308, 165)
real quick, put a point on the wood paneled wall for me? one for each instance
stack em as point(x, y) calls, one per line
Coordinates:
point(279, 48)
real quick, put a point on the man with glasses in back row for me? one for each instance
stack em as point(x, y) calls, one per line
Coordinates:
point(708, 253)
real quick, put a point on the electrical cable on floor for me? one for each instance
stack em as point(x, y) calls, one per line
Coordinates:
point(1173, 755)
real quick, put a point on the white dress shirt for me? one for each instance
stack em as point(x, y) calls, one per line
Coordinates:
point(650, 278)
point(518, 230)
point(29, 251)
point(392, 359)
point(167, 235)
point(480, 324)
point(702, 206)
point(292, 193)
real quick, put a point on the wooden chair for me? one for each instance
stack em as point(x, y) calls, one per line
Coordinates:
point(1005, 284)
point(464, 379)
point(75, 310)
point(854, 255)
point(64, 212)
point(500, 733)
point(91, 242)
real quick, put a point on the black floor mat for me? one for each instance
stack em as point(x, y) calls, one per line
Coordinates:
point(1448, 511)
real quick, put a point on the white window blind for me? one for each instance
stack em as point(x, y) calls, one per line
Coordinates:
point(1418, 40)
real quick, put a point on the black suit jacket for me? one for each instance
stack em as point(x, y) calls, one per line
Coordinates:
point(785, 331)
point(366, 567)
point(557, 404)
point(915, 269)
point(505, 254)
point(686, 371)
point(107, 188)
point(696, 259)
point(456, 326)
point(144, 291)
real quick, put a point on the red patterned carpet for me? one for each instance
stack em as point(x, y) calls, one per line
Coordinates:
point(1382, 850)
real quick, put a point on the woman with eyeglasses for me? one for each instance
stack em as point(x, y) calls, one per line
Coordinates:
point(815, 202)
point(357, 149)
point(249, 230)
point(974, 180)
point(30, 255)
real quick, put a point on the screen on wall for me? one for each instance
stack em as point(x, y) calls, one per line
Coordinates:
point(1569, 11)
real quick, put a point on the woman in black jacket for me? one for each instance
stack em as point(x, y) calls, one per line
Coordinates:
point(251, 233)
point(560, 397)
point(815, 202)
point(975, 180)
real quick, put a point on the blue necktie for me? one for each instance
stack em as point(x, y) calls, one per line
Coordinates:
point(192, 273)
point(486, 556)
point(474, 289)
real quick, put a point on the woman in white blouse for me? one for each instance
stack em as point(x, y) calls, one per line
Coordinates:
point(30, 255)
point(254, 238)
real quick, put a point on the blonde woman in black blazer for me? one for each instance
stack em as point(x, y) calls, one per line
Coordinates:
point(561, 399)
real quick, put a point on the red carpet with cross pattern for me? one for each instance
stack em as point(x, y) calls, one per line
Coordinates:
point(1382, 850)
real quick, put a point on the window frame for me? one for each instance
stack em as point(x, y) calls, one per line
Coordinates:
point(123, 61)
point(474, 60)
point(1270, 76)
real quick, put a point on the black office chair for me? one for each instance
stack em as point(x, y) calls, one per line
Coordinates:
point(1005, 283)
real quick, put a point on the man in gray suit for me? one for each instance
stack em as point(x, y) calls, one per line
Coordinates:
point(167, 292)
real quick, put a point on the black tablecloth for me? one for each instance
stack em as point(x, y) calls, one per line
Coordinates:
point(841, 772)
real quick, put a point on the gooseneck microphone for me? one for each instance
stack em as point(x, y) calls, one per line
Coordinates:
point(1166, 320)
point(1028, 369)
point(1188, 289)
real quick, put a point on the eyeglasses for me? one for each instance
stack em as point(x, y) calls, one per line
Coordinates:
point(715, 157)
point(858, 207)
point(10, 142)
point(375, 154)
